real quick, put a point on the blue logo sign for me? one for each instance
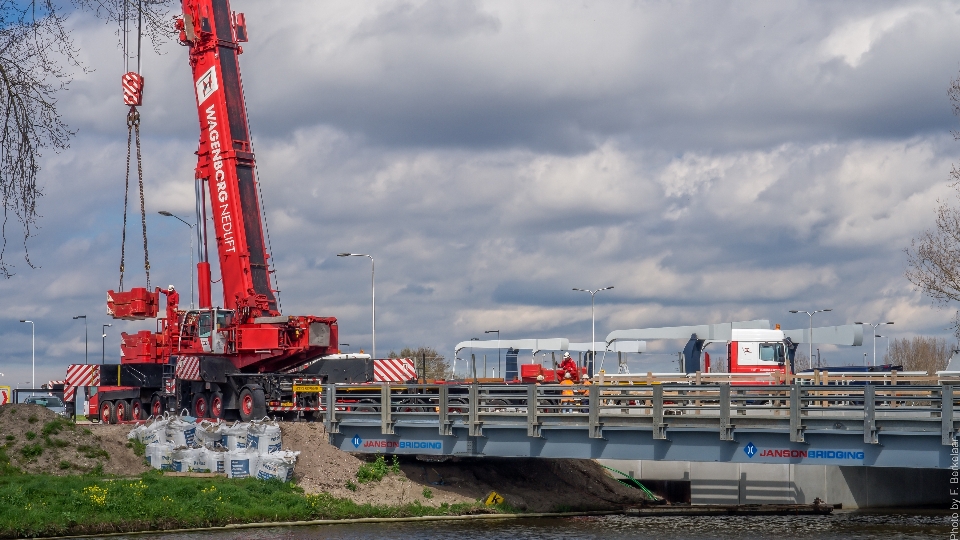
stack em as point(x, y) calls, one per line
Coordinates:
point(357, 441)
point(750, 449)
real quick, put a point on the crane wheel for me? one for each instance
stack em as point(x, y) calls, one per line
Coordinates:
point(121, 411)
point(156, 406)
point(201, 405)
point(253, 404)
point(216, 405)
point(108, 414)
point(136, 410)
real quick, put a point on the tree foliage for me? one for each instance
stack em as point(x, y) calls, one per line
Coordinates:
point(920, 353)
point(37, 61)
point(430, 363)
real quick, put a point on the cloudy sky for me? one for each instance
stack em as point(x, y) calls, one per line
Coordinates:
point(713, 161)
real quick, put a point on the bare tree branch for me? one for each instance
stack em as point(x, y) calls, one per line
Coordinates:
point(37, 59)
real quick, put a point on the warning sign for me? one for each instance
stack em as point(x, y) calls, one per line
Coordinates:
point(493, 499)
point(5, 395)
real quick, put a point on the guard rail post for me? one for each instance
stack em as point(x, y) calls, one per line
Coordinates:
point(596, 427)
point(533, 420)
point(446, 426)
point(796, 427)
point(726, 428)
point(659, 428)
point(386, 410)
point(947, 434)
point(870, 414)
point(475, 426)
point(330, 422)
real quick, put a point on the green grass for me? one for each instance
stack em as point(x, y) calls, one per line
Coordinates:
point(377, 469)
point(138, 447)
point(92, 452)
point(31, 451)
point(30, 435)
point(39, 505)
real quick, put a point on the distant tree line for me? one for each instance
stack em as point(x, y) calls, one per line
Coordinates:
point(431, 364)
point(921, 353)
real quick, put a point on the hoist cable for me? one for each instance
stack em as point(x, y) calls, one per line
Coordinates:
point(126, 195)
point(143, 211)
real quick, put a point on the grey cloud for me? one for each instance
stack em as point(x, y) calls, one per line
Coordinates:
point(443, 18)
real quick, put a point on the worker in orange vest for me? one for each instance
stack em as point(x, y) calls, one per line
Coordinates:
point(585, 390)
point(566, 403)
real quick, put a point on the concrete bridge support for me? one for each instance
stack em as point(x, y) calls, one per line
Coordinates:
point(762, 483)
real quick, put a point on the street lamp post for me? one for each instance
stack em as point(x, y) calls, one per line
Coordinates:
point(86, 348)
point(593, 321)
point(103, 345)
point(811, 314)
point(373, 289)
point(168, 214)
point(875, 336)
point(888, 346)
point(33, 353)
point(498, 347)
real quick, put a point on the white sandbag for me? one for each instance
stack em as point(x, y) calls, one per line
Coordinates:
point(182, 458)
point(277, 465)
point(181, 432)
point(235, 436)
point(216, 460)
point(199, 461)
point(210, 434)
point(151, 432)
point(160, 456)
point(264, 437)
point(241, 464)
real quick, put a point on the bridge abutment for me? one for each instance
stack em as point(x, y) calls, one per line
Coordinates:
point(765, 483)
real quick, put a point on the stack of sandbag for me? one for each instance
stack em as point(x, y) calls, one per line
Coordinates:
point(239, 450)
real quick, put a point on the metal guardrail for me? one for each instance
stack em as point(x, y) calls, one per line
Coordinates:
point(799, 408)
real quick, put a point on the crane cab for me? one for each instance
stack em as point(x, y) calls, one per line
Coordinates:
point(203, 329)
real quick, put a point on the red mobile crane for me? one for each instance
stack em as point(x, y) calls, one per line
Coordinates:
point(242, 357)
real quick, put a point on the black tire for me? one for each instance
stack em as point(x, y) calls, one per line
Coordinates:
point(215, 410)
point(107, 413)
point(157, 406)
point(121, 410)
point(137, 412)
point(253, 404)
point(200, 405)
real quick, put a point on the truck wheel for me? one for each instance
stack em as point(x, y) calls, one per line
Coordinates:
point(121, 410)
point(201, 405)
point(253, 404)
point(108, 415)
point(136, 410)
point(156, 406)
point(216, 405)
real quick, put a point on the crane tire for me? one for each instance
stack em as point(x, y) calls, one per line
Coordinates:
point(157, 406)
point(215, 408)
point(253, 404)
point(136, 410)
point(121, 410)
point(108, 414)
point(200, 406)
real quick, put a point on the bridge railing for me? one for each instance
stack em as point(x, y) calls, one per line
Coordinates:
point(799, 408)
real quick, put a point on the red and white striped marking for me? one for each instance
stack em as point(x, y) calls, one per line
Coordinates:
point(50, 384)
point(80, 375)
point(394, 370)
point(188, 368)
point(285, 409)
point(132, 83)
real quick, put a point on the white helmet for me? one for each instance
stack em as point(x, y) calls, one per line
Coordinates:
point(540, 378)
point(566, 375)
point(170, 287)
point(585, 377)
point(566, 355)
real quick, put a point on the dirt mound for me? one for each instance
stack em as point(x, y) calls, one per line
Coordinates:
point(527, 484)
point(36, 440)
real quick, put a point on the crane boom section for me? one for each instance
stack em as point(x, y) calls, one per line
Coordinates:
point(226, 163)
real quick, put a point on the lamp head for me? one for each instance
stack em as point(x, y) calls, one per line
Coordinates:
point(21, 320)
point(165, 213)
point(794, 311)
point(826, 310)
point(343, 254)
point(606, 288)
point(891, 322)
point(858, 322)
point(80, 317)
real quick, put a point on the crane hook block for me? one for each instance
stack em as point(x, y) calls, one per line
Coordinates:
point(134, 305)
point(132, 83)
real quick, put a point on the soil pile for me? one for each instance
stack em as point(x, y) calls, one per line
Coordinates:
point(36, 440)
point(536, 485)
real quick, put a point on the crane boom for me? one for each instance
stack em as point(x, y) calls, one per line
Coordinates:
point(226, 165)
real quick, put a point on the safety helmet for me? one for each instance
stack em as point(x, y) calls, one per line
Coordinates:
point(585, 377)
point(170, 287)
point(566, 375)
point(566, 355)
point(539, 378)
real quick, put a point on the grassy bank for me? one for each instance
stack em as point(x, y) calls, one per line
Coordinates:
point(41, 505)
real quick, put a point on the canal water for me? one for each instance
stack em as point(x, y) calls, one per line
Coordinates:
point(839, 526)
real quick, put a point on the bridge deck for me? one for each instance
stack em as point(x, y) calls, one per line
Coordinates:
point(872, 425)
